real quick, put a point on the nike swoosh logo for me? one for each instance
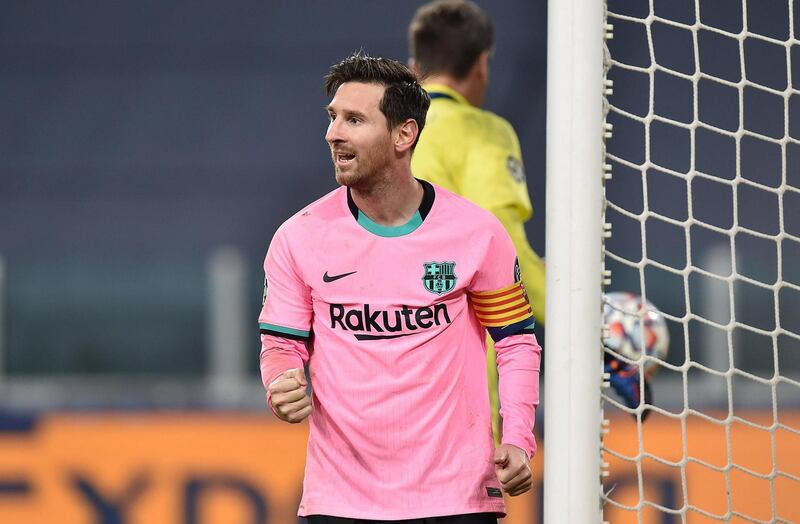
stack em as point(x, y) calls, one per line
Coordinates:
point(326, 278)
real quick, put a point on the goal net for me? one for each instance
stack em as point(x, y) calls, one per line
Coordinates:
point(702, 195)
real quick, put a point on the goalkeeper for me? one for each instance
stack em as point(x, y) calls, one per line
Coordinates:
point(465, 149)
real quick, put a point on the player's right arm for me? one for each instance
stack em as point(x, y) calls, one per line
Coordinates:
point(285, 324)
point(288, 396)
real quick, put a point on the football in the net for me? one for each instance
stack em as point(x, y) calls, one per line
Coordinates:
point(635, 327)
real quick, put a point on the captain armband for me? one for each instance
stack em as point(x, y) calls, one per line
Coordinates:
point(504, 312)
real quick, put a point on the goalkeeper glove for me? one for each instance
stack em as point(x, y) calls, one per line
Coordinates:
point(624, 379)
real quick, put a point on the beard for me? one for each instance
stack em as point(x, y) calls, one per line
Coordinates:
point(365, 170)
point(351, 176)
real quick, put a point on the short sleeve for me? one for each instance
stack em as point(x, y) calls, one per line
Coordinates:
point(497, 293)
point(287, 310)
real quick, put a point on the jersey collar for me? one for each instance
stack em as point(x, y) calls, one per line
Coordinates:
point(429, 194)
point(445, 92)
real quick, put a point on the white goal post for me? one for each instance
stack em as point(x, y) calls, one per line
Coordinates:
point(572, 382)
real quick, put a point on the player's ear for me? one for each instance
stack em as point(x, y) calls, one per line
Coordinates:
point(407, 133)
point(481, 66)
point(412, 64)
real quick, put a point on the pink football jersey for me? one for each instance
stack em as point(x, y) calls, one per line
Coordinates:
point(392, 322)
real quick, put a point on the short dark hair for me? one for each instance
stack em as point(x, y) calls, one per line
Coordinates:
point(403, 97)
point(448, 37)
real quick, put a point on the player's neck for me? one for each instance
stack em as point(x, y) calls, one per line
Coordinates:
point(392, 201)
point(469, 87)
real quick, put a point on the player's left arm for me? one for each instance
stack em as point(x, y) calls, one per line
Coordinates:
point(501, 305)
point(518, 359)
point(532, 266)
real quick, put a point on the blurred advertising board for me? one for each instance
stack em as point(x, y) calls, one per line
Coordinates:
point(721, 472)
point(231, 468)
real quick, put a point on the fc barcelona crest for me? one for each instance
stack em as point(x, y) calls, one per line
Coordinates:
point(439, 277)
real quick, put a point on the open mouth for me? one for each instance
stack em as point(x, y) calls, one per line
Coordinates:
point(343, 159)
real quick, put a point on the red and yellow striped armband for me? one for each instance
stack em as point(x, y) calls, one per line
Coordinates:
point(504, 311)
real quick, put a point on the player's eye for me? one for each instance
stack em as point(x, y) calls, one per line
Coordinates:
point(331, 117)
point(354, 120)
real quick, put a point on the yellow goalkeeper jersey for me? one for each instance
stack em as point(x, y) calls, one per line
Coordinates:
point(476, 154)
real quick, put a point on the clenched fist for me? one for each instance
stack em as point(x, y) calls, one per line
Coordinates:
point(289, 399)
point(513, 469)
